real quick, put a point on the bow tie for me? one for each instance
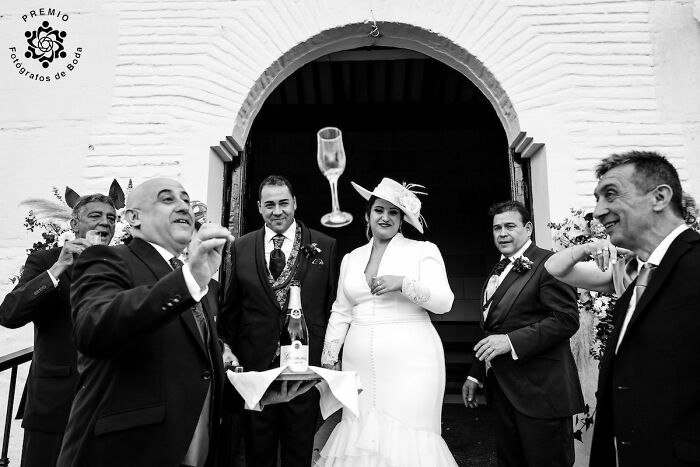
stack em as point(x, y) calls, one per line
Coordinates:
point(501, 266)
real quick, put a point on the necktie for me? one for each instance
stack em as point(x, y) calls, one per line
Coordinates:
point(197, 310)
point(493, 280)
point(630, 271)
point(277, 259)
point(642, 280)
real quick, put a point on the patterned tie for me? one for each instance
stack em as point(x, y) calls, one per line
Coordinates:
point(642, 280)
point(277, 259)
point(493, 281)
point(197, 310)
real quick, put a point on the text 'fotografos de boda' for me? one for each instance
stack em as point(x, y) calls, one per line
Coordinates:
point(48, 50)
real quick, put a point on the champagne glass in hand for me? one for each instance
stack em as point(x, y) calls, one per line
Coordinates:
point(331, 161)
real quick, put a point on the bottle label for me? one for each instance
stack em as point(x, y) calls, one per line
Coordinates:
point(295, 357)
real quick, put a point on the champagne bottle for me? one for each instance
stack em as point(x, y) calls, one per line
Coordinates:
point(294, 341)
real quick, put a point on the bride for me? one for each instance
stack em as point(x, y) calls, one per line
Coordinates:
point(380, 315)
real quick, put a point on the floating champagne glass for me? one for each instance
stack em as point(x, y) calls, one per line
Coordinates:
point(331, 161)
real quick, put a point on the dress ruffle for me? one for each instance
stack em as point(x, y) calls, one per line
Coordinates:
point(378, 440)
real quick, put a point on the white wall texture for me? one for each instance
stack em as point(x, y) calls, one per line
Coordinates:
point(159, 82)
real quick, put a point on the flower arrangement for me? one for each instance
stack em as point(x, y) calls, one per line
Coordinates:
point(522, 264)
point(577, 229)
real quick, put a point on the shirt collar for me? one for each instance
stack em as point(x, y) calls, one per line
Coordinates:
point(288, 234)
point(520, 252)
point(660, 251)
point(165, 253)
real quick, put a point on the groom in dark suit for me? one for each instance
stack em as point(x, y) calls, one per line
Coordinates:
point(150, 362)
point(263, 264)
point(42, 297)
point(525, 360)
point(648, 411)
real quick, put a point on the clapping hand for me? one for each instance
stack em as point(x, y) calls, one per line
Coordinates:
point(205, 252)
point(68, 253)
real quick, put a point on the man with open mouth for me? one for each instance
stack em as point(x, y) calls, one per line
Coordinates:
point(42, 297)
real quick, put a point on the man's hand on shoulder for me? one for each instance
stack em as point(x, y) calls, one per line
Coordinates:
point(68, 253)
point(205, 252)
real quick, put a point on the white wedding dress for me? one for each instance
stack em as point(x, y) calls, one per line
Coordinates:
point(390, 341)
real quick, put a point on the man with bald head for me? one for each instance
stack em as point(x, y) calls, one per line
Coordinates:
point(150, 361)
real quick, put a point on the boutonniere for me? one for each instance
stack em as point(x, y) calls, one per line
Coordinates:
point(310, 250)
point(522, 264)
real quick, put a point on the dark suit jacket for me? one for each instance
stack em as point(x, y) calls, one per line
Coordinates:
point(539, 314)
point(53, 374)
point(144, 369)
point(649, 393)
point(250, 318)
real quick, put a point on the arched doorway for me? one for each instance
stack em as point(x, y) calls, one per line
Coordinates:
point(406, 116)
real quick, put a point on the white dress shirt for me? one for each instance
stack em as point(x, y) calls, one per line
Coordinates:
point(287, 245)
point(654, 258)
point(500, 278)
point(192, 286)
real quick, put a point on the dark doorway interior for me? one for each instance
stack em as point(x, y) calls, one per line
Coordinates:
point(404, 116)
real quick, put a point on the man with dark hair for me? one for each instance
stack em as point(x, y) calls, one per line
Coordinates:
point(41, 297)
point(263, 263)
point(648, 387)
point(525, 361)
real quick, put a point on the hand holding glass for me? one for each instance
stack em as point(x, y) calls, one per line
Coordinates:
point(331, 162)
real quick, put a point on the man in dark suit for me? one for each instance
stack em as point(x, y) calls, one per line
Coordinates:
point(525, 359)
point(263, 264)
point(151, 370)
point(648, 411)
point(41, 297)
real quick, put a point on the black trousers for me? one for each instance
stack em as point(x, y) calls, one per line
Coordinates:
point(40, 449)
point(290, 426)
point(523, 441)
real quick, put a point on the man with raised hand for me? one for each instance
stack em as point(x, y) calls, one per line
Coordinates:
point(42, 297)
point(151, 370)
point(648, 410)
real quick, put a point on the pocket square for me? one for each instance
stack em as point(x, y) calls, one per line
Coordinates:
point(317, 261)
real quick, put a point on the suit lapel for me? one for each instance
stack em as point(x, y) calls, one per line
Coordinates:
point(261, 266)
point(510, 288)
point(160, 268)
point(618, 317)
point(302, 262)
point(674, 253)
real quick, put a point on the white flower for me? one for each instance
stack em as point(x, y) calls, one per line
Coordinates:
point(67, 236)
point(410, 202)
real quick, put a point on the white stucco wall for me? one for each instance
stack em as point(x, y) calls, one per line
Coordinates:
point(158, 83)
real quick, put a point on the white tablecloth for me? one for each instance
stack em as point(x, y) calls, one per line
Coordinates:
point(338, 389)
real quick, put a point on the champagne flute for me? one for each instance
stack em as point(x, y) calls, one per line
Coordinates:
point(331, 162)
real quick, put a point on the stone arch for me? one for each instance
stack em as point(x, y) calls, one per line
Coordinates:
point(392, 34)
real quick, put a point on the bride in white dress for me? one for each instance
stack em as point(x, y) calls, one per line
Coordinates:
point(380, 316)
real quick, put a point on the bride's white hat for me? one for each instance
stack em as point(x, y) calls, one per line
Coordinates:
point(399, 194)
